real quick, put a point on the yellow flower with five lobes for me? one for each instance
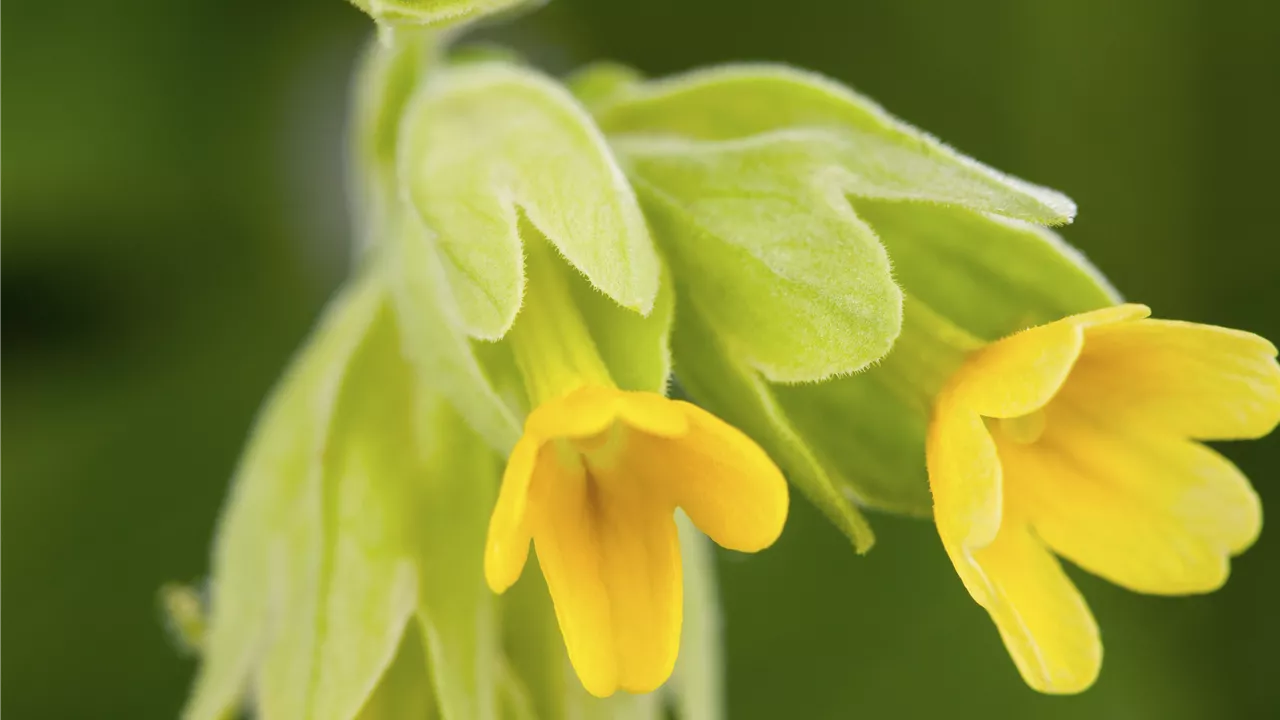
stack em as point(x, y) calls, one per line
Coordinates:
point(595, 482)
point(1081, 438)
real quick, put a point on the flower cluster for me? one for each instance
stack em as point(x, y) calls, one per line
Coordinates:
point(844, 299)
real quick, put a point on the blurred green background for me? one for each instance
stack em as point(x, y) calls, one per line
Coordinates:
point(173, 219)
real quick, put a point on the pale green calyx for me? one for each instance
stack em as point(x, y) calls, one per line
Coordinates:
point(446, 362)
point(576, 329)
point(483, 144)
point(345, 514)
point(745, 171)
point(898, 161)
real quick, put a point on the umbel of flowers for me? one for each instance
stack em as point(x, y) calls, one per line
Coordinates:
point(471, 495)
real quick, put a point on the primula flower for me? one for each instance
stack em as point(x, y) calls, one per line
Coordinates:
point(1079, 438)
point(595, 481)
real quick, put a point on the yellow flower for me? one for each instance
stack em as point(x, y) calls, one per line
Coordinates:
point(595, 482)
point(1079, 438)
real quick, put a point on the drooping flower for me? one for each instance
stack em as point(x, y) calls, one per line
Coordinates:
point(594, 482)
point(1081, 438)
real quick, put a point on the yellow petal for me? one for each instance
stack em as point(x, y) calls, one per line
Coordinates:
point(726, 483)
point(642, 570)
point(584, 412)
point(1192, 380)
point(653, 414)
point(1021, 373)
point(612, 562)
point(964, 475)
point(566, 540)
point(1045, 624)
point(1152, 513)
point(507, 545)
point(1010, 378)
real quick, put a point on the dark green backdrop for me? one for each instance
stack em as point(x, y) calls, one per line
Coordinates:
point(172, 221)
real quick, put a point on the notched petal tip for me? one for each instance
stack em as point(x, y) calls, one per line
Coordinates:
point(1148, 512)
point(1185, 379)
